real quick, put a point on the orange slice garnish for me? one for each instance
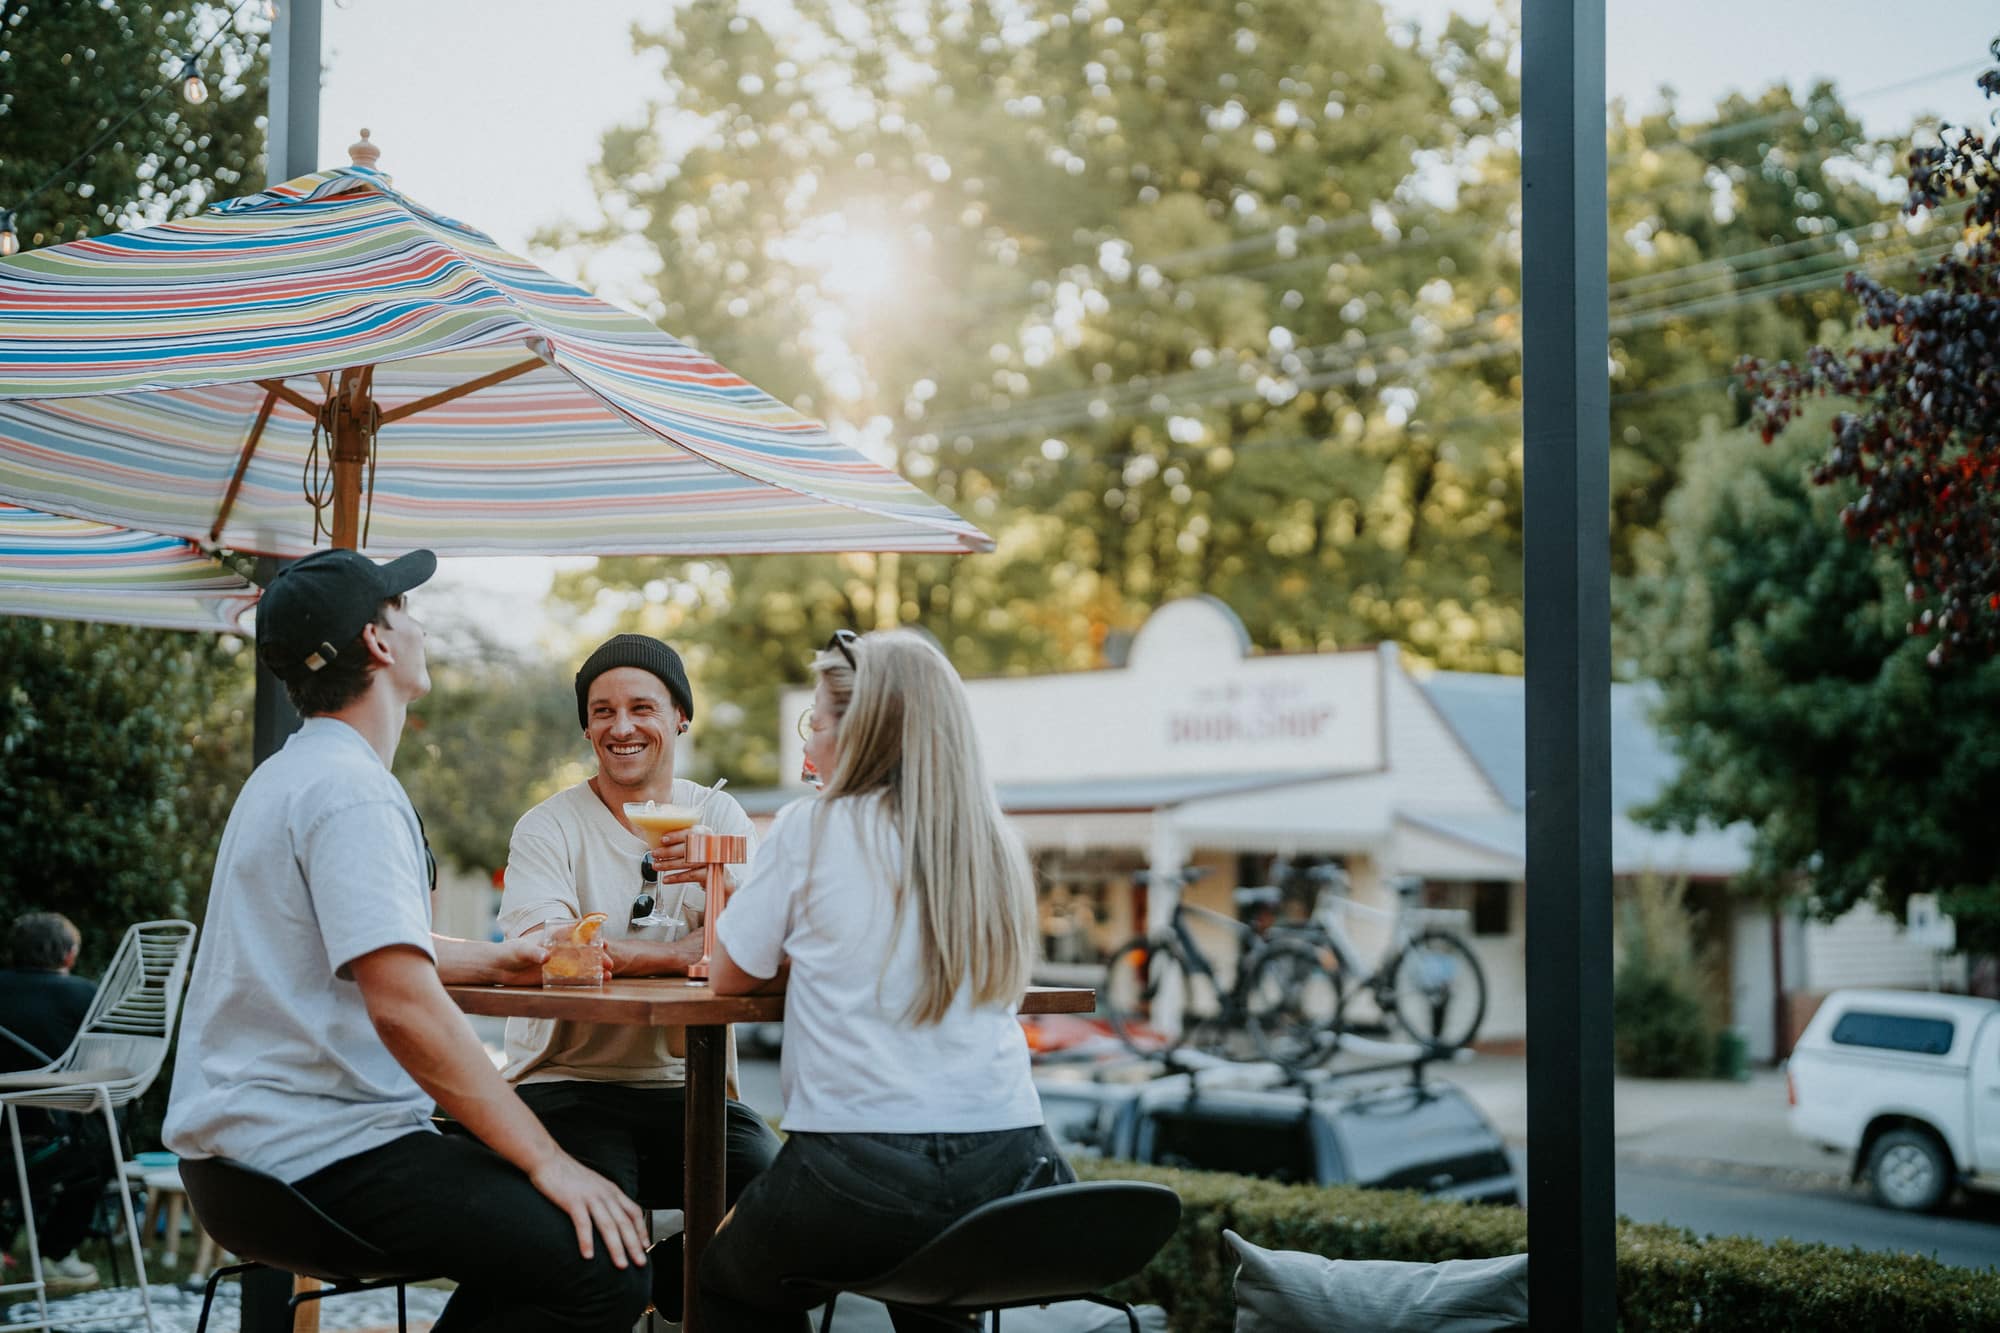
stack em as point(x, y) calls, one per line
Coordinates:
point(584, 931)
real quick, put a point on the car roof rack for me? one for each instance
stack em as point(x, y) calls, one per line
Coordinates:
point(1205, 1073)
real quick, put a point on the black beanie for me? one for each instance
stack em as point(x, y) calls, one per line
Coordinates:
point(634, 650)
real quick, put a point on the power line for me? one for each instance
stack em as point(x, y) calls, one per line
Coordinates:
point(1214, 389)
point(1269, 237)
point(1012, 419)
point(186, 64)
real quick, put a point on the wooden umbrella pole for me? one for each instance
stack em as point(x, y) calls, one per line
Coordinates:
point(353, 438)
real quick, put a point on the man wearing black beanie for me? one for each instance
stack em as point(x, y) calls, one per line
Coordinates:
point(614, 1095)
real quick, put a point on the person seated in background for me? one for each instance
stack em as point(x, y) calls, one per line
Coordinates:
point(614, 1095)
point(41, 1008)
point(318, 1035)
point(902, 908)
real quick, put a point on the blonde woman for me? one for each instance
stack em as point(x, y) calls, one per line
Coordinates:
point(904, 909)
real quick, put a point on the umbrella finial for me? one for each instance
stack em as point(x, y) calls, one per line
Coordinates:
point(363, 153)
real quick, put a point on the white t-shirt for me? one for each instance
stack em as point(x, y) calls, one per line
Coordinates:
point(570, 855)
point(279, 1067)
point(853, 1063)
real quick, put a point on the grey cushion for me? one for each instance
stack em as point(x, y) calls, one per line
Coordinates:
point(1283, 1291)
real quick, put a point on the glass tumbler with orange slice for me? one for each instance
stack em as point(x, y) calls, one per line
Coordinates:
point(575, 951)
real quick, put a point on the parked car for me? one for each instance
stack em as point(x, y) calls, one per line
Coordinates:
point(1428, 1137)
point(1908, 1085)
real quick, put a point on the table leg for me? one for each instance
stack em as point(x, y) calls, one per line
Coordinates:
point(703, 1200)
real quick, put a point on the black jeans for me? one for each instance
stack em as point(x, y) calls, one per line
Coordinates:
point(447, 1204)
point(846, 1207)
point(636, 1137)
point(69, 1164)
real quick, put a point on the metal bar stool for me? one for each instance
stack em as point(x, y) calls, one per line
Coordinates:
point(267, 1223)
point(1059, 1243)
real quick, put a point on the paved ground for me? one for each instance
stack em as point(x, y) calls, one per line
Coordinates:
point(1699, 1120)
point(1720, 1200)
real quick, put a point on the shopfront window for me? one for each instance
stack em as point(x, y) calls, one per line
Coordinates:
point(1487, 903)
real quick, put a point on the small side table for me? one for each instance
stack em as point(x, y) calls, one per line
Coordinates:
point(164, 1192)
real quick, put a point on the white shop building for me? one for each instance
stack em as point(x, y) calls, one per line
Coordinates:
point(1198, 751)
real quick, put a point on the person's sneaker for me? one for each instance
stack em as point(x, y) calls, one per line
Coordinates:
point(70, 1273)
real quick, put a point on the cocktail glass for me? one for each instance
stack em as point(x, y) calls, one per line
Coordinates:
point(655, 821)
point(575, 952)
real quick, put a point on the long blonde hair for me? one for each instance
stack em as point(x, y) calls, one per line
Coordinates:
point(904, 732)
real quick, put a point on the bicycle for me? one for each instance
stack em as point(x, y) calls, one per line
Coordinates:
point(1428, 982)
point(1161, 992)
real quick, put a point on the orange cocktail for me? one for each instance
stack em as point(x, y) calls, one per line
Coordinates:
point(656, 820)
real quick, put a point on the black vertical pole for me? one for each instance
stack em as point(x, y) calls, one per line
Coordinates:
point(291, 149)
point(1566, 412)
point(292, 142)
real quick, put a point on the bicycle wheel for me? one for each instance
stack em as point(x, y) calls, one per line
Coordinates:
point(1144, 995)
point(1435, 991)
point(1291, 1002)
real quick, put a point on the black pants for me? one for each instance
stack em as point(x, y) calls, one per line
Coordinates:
point(846, 1207)
point(69, 1164)
point(637, 1137)
point(449, 1205)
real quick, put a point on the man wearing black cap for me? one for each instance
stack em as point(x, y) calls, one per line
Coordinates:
point(615, 1094)
point(317, 1034)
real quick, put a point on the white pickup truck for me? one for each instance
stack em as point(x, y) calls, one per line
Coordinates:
point(1908, 1084)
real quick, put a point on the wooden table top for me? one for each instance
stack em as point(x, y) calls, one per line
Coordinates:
point(671, 1002)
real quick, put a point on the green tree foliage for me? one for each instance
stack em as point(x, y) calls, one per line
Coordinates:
point(1725, 235)
point(71, 70)
point(495, 735)
point(1173, 299)
point(1799, 703)
point(121, 751)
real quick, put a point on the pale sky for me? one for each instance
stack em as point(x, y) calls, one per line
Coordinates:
point(493, 110)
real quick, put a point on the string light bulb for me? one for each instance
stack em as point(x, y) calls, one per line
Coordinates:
point(10, 244)
point(271, 10)
point(192, 86)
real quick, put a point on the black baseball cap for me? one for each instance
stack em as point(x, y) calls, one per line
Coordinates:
point(318, 605)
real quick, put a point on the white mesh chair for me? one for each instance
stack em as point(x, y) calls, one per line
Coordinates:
point(115, 1057)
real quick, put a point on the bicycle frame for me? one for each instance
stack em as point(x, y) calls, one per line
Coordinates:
point(1329, 906)
point(1197, 960)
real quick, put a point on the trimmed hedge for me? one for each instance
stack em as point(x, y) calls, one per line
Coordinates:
point(1668, 1280)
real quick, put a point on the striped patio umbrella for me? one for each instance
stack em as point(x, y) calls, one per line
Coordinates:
point(330, 358)
point(73, 569)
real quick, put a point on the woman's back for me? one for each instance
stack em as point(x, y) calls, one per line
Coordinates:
point(822, 894)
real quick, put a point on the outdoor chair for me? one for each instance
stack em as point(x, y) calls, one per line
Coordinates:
point(113, 1059)
point(1059, 1243)
point(268, 1224)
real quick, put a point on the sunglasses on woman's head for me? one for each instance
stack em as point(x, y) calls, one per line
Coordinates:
point(843, 642)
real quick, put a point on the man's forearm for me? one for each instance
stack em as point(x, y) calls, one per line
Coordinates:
point(466, 962)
